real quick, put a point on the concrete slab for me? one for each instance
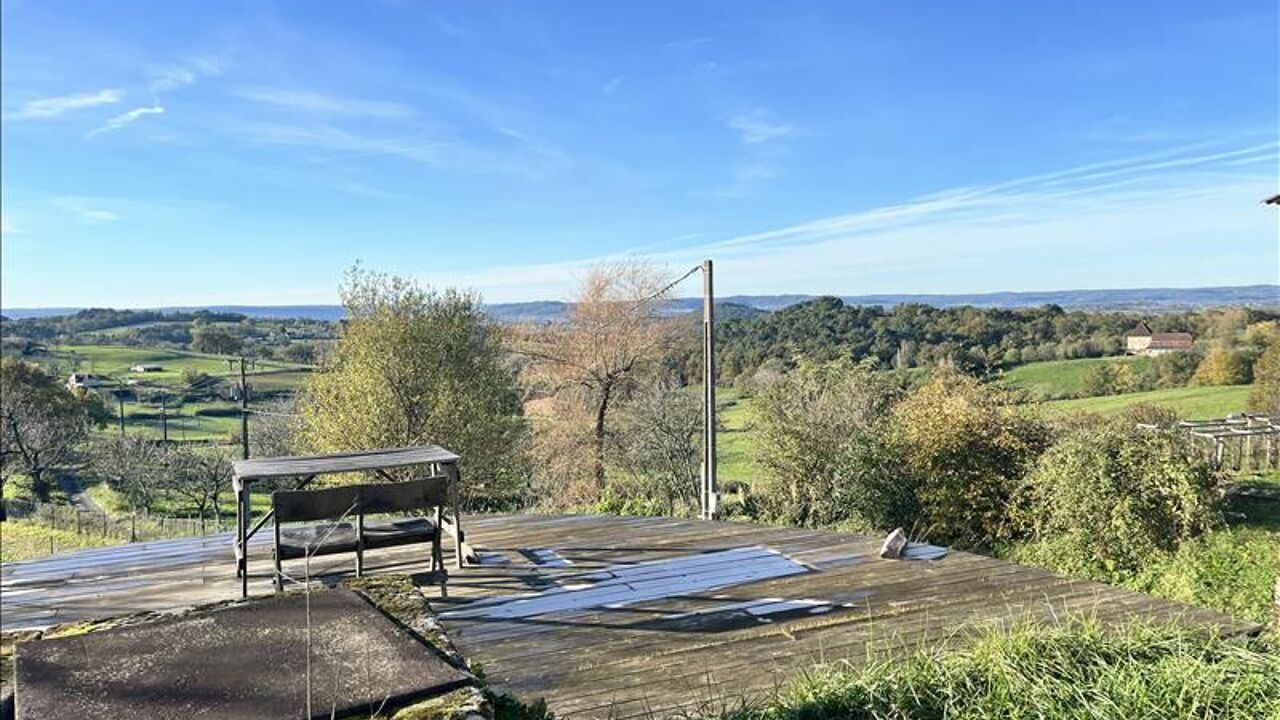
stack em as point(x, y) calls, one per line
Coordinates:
point(241, 662)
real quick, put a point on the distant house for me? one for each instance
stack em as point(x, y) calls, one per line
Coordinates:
point(84, 380)
point(145, 368)
point(1141, 341)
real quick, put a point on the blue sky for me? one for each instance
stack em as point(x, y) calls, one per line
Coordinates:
point(168, 153)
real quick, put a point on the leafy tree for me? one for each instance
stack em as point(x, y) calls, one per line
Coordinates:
point(1175, 369)
point(1111, 498)
point(1222, 366)
point(300, 352)
point(970, 448)
point(415, 366)
point(1264, 397)
point(215, 340)
point(41, 423)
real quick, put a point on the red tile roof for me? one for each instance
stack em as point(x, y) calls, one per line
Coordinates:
point(1170, 341)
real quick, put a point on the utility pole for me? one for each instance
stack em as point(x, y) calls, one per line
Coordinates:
point(164, 416)
point(244, 412)
point(120, 402)
point(710, 488)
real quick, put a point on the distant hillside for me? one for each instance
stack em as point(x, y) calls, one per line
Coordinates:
point(1156, 300)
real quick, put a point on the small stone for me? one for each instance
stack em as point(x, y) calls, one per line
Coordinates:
point(894, 544)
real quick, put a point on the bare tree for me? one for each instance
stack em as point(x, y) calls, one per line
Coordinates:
point(659, 441)
point(131, 465)
point(41, 423)
point(274, 427)
point(199, 476)
point(612, 333)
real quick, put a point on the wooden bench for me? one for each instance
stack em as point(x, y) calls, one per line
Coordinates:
point(355, 502)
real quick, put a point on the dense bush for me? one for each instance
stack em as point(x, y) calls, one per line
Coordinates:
point(815, 436)
point(1111, 499)
point(970, 449)
point(1174, 369)
point(1109, 378)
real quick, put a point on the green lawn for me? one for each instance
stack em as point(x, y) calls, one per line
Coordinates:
point(1191, 403)
point(1064, 378)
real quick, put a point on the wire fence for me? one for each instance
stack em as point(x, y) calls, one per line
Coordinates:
point(134, 527)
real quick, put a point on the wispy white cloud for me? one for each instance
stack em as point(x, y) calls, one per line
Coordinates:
point(304, 101)
point(86, 209)
point(1129, 222)
point(124, 119)
point(55, 106)
point(612, 85)
point(187, 72)
point(758, 126)
point(515, 156)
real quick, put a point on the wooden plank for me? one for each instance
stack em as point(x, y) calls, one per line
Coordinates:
point(370, 460)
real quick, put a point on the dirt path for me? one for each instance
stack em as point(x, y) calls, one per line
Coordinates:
point(70, 484)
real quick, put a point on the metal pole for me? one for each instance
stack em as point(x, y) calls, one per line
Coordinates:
point(711, 489)
point(244, 413)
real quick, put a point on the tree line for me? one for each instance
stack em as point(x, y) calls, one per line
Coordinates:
point(600, 411)
point(975, 340)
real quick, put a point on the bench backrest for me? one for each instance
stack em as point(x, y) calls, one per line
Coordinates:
point(334, 502)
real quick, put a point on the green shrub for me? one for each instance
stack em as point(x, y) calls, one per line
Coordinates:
point(1112, 498)
point(970, 449)
point(1072, 671)
point(814, 425)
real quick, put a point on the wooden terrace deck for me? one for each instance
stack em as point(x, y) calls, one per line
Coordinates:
point(619, 616)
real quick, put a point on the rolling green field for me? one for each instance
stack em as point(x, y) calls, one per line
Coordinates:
point(1191, 403)
point(203, 420)
point(1064, 378)
point(115, 361)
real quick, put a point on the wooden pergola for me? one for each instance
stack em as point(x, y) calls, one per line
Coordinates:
point(437, 462)
point(1240, 430)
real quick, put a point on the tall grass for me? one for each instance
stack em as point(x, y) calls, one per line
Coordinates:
point(1075, 670)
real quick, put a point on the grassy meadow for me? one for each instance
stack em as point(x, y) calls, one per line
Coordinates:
point(1190, 403)
point(115, 360)
point(1064, 378)
point(23, 540)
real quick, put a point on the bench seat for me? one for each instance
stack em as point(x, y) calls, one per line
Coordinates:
point(296, 541)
